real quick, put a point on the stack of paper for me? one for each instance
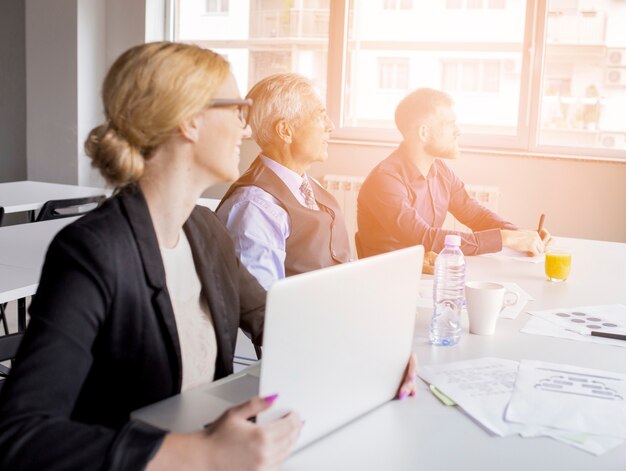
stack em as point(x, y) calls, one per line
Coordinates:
point(508, 402)
point(577, 323)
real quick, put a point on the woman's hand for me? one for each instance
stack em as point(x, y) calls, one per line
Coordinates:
point(232, 442)
point(409, 381)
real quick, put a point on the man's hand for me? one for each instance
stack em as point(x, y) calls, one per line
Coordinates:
point(546, 238)
point(428, 267)
point(525, 241)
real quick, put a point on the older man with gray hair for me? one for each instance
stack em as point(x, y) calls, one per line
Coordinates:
point(282, 221)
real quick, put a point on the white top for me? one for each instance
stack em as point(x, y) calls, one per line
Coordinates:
point(30, 196)
point(196, 334)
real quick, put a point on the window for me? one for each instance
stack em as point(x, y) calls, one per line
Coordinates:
point(441, 52)
point(583, 92)
point(475, 4)
point(216, 6)
point(393, 73)
point(398, 4)
point(497, 4)
point(474, 76)
point(543, 76)
point(260, 37)
point(454, 4)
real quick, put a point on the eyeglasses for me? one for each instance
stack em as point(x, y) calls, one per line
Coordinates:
point(243, 105)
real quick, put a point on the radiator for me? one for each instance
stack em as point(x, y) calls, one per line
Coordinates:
point(345, 189)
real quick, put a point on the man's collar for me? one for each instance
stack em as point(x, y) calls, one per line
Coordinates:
point(411, 170)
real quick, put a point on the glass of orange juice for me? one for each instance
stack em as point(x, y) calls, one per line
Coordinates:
point(558, 263)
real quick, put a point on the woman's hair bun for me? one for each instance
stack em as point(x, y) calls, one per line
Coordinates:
point(119, 162)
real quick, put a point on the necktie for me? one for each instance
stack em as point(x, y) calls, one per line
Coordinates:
point(307, 192)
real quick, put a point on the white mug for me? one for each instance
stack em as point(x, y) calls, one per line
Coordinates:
point(485, 301)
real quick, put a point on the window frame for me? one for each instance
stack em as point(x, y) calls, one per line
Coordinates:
point(219, 11)
point(525, 141)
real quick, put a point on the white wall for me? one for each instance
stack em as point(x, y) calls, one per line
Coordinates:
point(69, 46)
point(91, 67)
point(51, 90)
point(12, 92)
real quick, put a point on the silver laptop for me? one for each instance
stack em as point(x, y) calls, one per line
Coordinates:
point(336, 343)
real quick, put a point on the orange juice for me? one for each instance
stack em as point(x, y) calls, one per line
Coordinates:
point(558, 263)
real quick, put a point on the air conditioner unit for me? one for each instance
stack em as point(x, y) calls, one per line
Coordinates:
point(615, 77)
point(613, 140)
point(616, 57)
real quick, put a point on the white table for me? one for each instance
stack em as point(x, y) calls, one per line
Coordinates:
point(422, 433)
point(30, 196)
point(22, 251)
point(17, 282)
point(25, 245)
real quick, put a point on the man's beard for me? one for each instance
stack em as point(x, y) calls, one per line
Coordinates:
point(449, 152)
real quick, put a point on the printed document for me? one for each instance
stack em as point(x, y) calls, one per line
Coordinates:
point(569, 398)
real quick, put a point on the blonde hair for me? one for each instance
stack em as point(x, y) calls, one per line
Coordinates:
point(149, 90)
point(280, 96)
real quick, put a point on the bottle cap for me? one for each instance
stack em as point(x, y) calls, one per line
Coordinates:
point(454, 240)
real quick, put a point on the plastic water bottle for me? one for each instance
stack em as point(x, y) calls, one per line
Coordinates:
point(448, 294)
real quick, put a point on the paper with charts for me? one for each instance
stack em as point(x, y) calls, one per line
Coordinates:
point(483, 389)
point(570, 398)
point(578, 322)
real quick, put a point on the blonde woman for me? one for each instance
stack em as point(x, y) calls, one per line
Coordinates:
point(142, 298)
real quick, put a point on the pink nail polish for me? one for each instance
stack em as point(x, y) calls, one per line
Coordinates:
point(270, 399)
point(402, 395)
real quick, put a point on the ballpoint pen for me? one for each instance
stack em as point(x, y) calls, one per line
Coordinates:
point(542, 218)
point(608, 335)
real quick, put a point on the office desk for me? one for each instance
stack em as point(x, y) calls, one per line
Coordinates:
point(422, 433)
point(22, 251)
point(25, 245)
point(30, 196)
point(17, 282)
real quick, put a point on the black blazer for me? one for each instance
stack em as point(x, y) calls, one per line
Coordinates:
point(102, 339)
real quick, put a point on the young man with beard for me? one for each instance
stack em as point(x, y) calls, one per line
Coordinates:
point(405, 198)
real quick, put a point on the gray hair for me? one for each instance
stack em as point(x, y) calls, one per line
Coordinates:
point(279, 96)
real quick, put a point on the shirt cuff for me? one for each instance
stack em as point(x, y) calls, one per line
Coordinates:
point(488, 241)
